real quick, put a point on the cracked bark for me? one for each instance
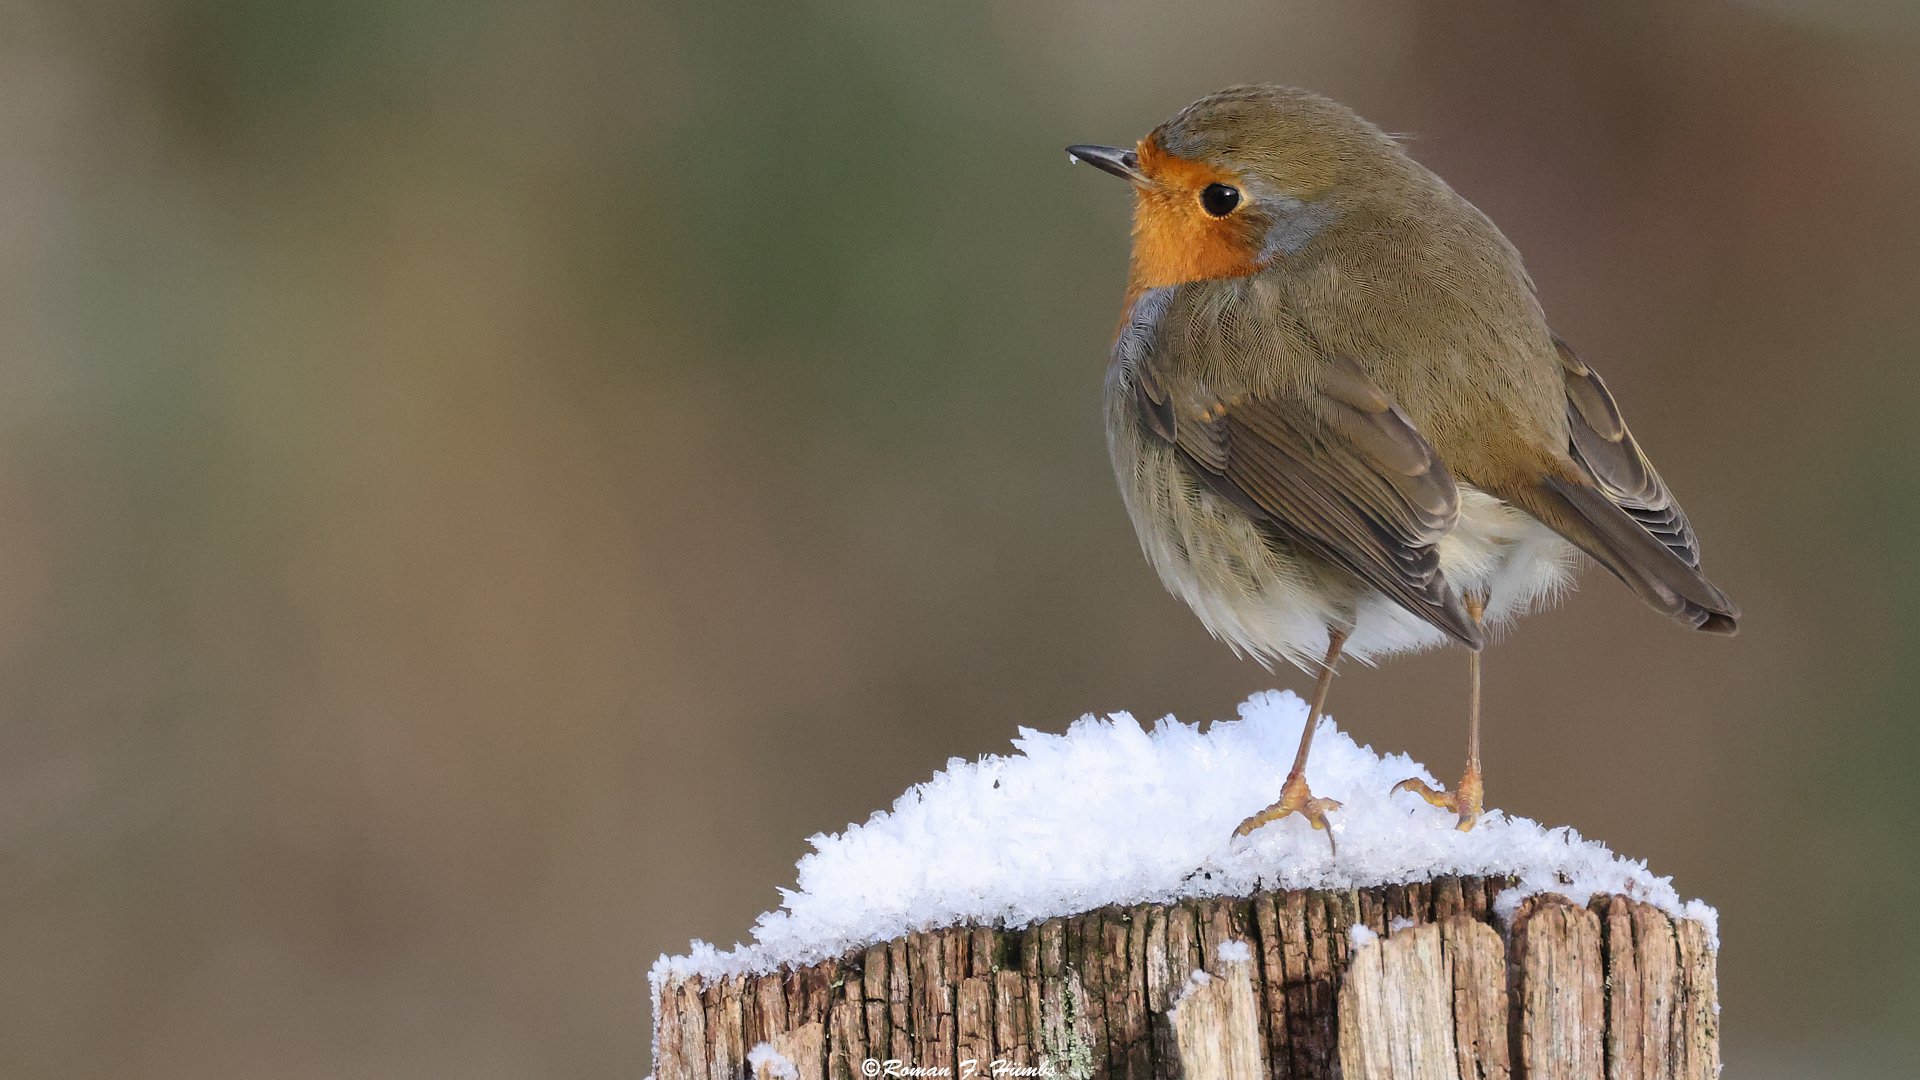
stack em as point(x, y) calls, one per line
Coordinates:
point(1614, 990)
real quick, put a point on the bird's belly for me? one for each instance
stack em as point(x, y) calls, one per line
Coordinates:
point(1495, 550)
point(1259, 598)
point(1502, 553)
point(1270, 602)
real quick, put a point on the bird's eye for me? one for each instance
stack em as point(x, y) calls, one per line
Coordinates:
point(1219, 199)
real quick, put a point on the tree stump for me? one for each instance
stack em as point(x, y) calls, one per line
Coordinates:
point(1277, 985)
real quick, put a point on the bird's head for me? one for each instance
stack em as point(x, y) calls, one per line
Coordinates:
point(1242, 178)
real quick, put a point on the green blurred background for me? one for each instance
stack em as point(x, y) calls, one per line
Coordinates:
point(483, 482)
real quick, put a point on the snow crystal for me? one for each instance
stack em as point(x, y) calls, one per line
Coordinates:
point(1234, 951)
point(1195, 980)
point(1399, 923)
point(1703, 913)
point(1360, 935)
point(1111, 813)
point(766, 1063)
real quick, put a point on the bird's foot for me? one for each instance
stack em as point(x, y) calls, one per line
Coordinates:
point(1463, 800)
point(1295, 798)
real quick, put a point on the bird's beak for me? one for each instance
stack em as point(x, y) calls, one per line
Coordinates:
point(1124, 164)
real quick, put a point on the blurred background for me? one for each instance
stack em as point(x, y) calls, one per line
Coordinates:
point(481, 483)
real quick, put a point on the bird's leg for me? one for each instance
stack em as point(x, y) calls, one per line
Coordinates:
point(1295, 796)
point(1465, 799)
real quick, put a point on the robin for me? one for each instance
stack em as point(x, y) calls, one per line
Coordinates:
point(1339, 420)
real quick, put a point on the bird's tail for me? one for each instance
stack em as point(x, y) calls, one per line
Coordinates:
point(1600, 527)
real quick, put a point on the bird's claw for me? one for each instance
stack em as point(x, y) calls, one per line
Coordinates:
point(1295, 798)
point(1464, 800)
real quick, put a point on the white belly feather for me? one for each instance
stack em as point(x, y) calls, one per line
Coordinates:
point(1496, 551)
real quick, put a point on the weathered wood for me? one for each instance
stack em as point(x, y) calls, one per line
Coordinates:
point(1560, 1003)
point(1478, 960)
point(801, 1054)
point(1615, 990)
point(1428, 1001)
point(1696, 1029)
point(1217, 1026)
point(1396, 1009)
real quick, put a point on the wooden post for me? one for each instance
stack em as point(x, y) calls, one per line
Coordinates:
point(1269, 987)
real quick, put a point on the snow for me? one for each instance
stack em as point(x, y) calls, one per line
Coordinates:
point(1114, 813)
point(766, 1063)
point(1195, 980)
point(1360, 935)
point(1234, 951)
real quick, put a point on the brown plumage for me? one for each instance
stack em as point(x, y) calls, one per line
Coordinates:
point(1339, 419)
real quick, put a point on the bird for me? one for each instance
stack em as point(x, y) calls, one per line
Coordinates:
point(1340, 421)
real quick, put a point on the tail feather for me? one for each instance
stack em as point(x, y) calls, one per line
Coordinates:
point(1621, 543)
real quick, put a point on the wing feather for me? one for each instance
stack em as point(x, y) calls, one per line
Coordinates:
point(1602, 444)
point(1338, 472)
point(1617, 509)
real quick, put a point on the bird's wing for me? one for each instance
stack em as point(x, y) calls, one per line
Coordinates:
point(1604, 447)
point(1338, 472)
point(1614, 506)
